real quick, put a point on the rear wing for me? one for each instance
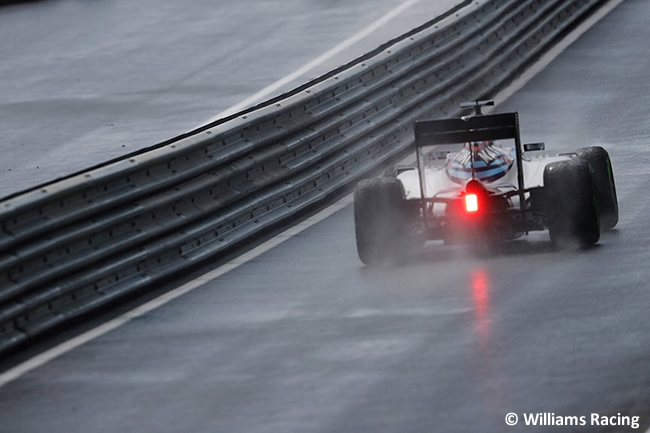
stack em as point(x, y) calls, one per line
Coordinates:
point(461, 130)
point(467, 129)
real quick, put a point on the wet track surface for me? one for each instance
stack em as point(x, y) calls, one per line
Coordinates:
point(306, 339)
point(85, 82)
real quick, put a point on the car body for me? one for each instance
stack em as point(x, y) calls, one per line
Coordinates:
point(469, 186)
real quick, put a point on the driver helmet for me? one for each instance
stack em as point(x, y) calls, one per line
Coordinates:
point(491, 162)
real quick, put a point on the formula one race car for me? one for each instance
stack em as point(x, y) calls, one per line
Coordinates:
point(468, 188)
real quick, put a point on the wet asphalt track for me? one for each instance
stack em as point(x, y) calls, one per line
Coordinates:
point(83, 82)
point(305, 339)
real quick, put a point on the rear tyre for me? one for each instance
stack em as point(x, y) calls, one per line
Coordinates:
point(380, 220)
point(607, 202)
point(570, 203)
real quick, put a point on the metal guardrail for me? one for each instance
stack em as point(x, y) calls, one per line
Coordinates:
point(73, 245)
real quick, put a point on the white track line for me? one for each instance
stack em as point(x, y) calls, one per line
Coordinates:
point(270, 89)
point(53, 353)
point(548, 57)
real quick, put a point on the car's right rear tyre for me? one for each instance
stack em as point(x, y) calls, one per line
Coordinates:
point(380, 220)
point(570, 203)
point(601, 165)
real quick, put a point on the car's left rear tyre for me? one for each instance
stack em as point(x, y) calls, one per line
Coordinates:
point(380, 221)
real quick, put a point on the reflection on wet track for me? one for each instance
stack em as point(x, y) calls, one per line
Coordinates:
point(481, 298)
point(304, 338)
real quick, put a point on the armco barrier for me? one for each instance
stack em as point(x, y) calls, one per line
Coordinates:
point(75, 244)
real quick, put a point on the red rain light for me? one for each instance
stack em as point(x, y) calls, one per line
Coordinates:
point(471, 203)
